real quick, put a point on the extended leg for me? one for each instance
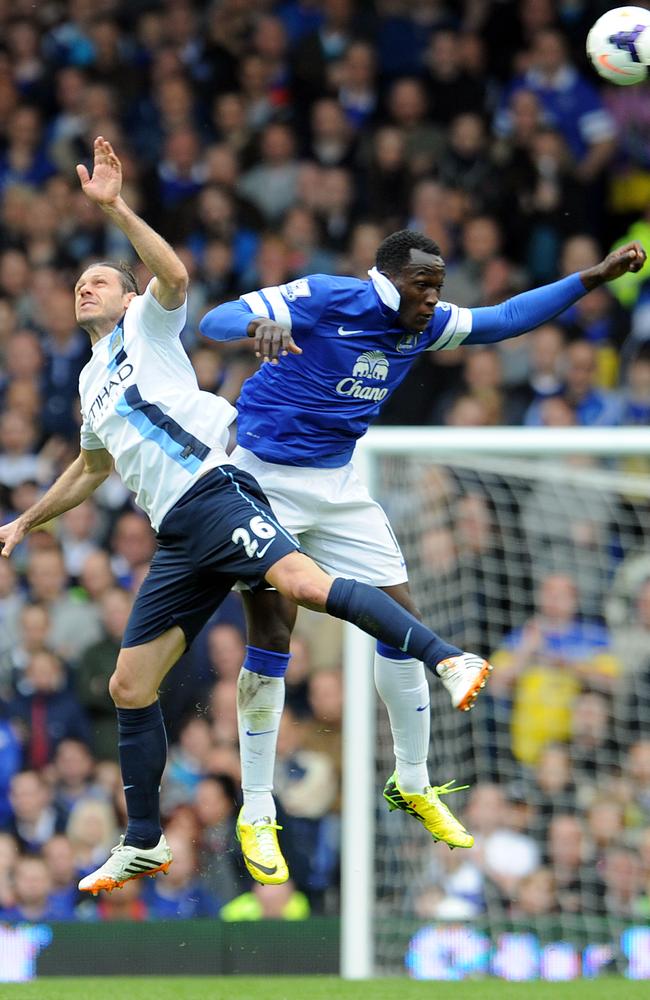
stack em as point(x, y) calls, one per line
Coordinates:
point(260, 696)
point(143, 752)
point(402, 686)
point(260, 700)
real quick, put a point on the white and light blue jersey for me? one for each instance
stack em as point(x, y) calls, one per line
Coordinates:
point(141, 402)
point(311, 408)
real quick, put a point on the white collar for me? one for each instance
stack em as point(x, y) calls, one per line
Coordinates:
point(385, 289)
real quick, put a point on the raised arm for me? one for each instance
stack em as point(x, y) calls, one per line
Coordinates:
point(80, 479)
point(530, 309)
point(104, 188)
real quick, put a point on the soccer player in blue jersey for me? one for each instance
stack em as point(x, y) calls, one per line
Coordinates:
point(339, 347)
point(143, 411)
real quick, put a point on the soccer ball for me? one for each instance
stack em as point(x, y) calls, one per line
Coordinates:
point(619, 45)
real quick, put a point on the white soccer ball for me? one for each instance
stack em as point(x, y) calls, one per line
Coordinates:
point(619, 45)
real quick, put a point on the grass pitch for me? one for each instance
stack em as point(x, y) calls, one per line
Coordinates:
point(313, 988)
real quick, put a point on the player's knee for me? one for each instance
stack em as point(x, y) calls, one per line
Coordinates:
point(309, 591)
point(274, 636)
point(128, 691)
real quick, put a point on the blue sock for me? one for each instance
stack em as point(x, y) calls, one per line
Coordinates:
point(379, 615)
point(143, 753)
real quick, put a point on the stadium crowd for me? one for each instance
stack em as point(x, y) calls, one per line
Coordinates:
point(267, 141)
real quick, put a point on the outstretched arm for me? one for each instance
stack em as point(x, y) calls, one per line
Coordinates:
point(528, 310)
point(79, 480)
point(104, 188)
point(234, 321)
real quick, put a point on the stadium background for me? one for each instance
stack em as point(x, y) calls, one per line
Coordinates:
point(267, 141)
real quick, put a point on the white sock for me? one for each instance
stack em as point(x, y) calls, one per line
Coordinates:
point(260, 700)
point(403, 688)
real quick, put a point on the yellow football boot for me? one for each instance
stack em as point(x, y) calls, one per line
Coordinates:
point(430, 811)
point(261, 851)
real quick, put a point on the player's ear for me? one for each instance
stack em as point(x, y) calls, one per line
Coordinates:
point(128, 298)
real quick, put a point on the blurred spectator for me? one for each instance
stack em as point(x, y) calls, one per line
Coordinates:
point(96, 576)
point(638, 767)
point(59, 857)
point(35, 818)
point(19, 460)
point(594, 751)
point(570, 102)
point(74, 623)
point(180, 895)
point(544, 665)
point(452, 90)
point(78, 536)
point(124, 905)
point(33, 888)
point(24, 159)
point(132, 545)
point(186, 764)
point(535, 895)
point(94, 670)
point(268, 902)
point(553, 789)
point(271, 185)
point(11, 604)
point(357, 84)
point(593, 407)
point(66, 351)
point(215, 807)
point(48, 712)
point(8, 857)
point(408, 111)
point(226, 651)
point(577, 883)
point(72, 776)
point(622, 878)
point(92, 832)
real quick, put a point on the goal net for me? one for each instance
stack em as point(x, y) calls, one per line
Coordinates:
point(531, 548)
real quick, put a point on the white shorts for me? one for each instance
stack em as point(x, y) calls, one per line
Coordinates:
point(334, 517)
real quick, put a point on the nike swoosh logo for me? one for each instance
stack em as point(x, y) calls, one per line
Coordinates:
point(347, 333)
point(406, 641)
point(604, 61)
point(261, 868)
point(423, 708)
point(262, 732)
point(262, 551)
point(126, 787)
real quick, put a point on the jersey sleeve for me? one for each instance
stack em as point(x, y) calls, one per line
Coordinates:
point(491, 324)
point(154, 320)
point(452, 326)
point(88, 439)
point(298, 305)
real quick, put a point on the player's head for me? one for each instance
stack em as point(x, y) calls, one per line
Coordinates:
point(413, 263)
point(101, 295)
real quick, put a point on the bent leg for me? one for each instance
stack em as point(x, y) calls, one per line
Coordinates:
point(142, 739)
point(260, 697)
point(373, 611)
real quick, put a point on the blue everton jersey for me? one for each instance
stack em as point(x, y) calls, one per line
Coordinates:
point(311, 408)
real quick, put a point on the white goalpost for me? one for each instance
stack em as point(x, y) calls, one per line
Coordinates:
point(529, 481)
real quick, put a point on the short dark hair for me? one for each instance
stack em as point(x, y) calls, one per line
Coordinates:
point(394, 252)
point(125, 271)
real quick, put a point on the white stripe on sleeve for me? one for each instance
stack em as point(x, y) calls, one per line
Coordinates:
point(458, 326)
point(279, 306)
point(256, 304)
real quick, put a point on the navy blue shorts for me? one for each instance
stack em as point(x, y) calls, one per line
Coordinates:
point(221, 531)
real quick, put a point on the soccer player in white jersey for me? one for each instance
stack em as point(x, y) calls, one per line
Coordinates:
point(343, 346)
point(143, 411)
